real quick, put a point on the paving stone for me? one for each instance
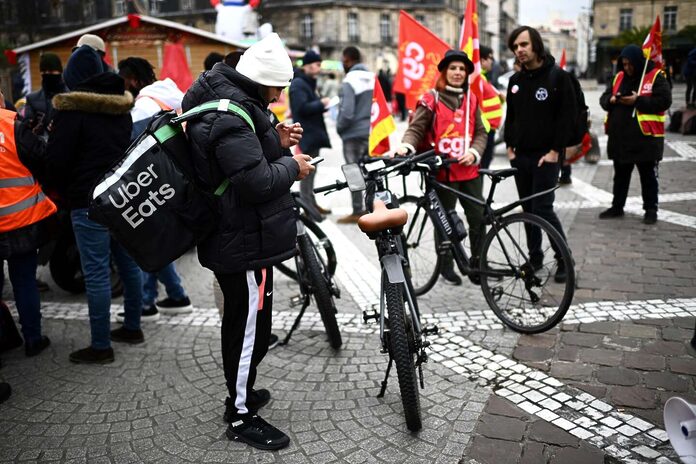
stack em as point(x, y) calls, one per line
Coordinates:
point(633, 397)
point(666, 381)
point(600, 356)
point(543, 432)
point(589, 340)
point(585, 454)
point(600, 327)
point(568, 353)
point(617, 376)
point(500, 427)
point(533, 453)
point(544, 340)
point(502, 407)
point(677, 334)
point(638, 331)
point(644, 362)
point(532, 353)
point(665, 348)
point(488, 451)
point(683, 365)
point(573, 371)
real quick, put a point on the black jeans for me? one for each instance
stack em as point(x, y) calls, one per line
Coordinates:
point(530, 179)
point(246, 328)
point(648, 171)
point(487, 156)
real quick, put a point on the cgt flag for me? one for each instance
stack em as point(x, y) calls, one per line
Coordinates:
point(652, 47)
point(419, 53)
point(381, 122)
point(469, 43)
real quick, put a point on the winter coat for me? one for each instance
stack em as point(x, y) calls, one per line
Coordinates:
point(540, 113)
point(152, 99)
point(355, 106)
point(40, 102)
point(257, 225)
point(626, 142)
point(308, 110)
point(91, 132)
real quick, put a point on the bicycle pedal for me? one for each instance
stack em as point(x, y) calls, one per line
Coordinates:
point(370, 315)
point(296, 300)
point(431, 330)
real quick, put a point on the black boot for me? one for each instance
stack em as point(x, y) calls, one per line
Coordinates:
point(611, 213)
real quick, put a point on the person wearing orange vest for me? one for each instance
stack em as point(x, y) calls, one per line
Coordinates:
point(636, 128)
point(24, 209)
point(441, 117)
point(491, 105)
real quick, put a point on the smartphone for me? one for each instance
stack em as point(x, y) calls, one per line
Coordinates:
point(315, 161)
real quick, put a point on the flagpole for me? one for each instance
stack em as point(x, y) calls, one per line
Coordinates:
point(466, 133)
point(640, 84)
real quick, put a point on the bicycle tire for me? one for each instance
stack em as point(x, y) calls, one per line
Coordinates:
point(421, 248)
point(403, 356)
point(505, 251)
point(321, 290)
point(330, 257)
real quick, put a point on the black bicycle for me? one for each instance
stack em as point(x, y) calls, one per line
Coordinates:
point(315, 263)
point(402, 336)
point(519, 287)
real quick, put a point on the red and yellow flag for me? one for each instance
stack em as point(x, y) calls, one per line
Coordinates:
point(469, 43)
point(652, 47)
point(419, 53)
point(381, 122)
point(562, 63)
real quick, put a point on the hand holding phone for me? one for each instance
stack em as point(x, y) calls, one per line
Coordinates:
point(317, 160)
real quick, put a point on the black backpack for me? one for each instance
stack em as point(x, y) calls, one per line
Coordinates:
point(152, 200)
point(580, 124)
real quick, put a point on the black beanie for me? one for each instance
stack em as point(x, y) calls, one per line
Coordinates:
point(84, 63)
point(50, 62)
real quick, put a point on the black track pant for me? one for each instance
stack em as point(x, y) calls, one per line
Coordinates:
point(246, 328)
point(648, 183)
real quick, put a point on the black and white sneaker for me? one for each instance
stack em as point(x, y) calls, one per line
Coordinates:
point(273, 341)
point(172, 306)
point(256, 400)
point(256, 432)
point(148, 314)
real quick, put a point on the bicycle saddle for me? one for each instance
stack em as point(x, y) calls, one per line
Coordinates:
point(382, 218)
point(499, 173)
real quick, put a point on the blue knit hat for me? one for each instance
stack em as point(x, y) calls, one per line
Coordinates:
point(311, 57)
point(84, 63)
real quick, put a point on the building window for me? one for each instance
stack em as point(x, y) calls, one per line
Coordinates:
point(119, 8)
point(57, 10)
point(670, 15)
point(307, 27)
point(421, 19)
point(187, 4)
point(625, 19)
point(8, 12)
point(88, 12)
point(353, 35)
point(385, 33)
point(155, 7)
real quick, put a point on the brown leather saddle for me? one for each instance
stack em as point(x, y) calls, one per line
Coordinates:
point(382, 218)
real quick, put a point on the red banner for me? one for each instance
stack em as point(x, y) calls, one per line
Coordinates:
point(652, 47)
point(381, 122)
point(419, 53)
point(469, 43)
point(175, 66)
point(562, 63)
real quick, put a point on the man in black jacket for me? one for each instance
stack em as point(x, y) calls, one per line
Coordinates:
point(308, 109)
point(257, 227)
point(39, 108)
point(538, 124)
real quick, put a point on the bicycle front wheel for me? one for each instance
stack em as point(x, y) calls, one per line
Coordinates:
point(522, 289)
point(421, 248)
point(323, 245)
point(321, 289)
point(403, 355)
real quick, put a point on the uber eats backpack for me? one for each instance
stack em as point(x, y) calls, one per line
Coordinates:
point(152, 201)
point(580, 127)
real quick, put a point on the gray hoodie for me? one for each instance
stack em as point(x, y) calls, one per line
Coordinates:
point(355, 104)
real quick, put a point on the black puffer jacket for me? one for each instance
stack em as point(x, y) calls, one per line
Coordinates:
point(91, 131)
point(257, 217)
point(308, 110)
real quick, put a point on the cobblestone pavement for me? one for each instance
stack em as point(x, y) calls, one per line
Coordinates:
point(591, 390)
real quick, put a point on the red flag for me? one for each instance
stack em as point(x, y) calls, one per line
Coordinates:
point(419, 53)
point(652, 47)
point(381, 122)
point(175, 66)
point(562, 63)
point(469, 43)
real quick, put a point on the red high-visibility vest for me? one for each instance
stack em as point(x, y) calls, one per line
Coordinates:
point(491, 106)
point(22, 202)
point(652, 125)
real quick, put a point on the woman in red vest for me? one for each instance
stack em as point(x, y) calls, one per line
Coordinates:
point(636, 128)
point(449, 118)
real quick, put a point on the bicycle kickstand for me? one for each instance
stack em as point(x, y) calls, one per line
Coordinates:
point(296, 324)
point(386, 378)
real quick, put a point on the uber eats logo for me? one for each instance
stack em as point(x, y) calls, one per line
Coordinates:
point(149, 202)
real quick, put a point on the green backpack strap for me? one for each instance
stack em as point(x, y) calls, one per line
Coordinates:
point(224, 105)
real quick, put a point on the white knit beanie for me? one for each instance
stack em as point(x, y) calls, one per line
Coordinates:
point(267, 63)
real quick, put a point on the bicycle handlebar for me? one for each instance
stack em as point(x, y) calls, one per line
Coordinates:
point(327, 188)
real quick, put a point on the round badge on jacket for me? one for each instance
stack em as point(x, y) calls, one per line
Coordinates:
point(515, 88)
point(542, 94)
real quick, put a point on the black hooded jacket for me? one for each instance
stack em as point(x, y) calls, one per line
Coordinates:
point(257, 218)
point(626, 142)
point(308, 110)
point(541, 110)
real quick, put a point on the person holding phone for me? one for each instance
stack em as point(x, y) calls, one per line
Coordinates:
point(636, 128)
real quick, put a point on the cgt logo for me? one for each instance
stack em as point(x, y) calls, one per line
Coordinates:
point(451, 146)
point(132, 190)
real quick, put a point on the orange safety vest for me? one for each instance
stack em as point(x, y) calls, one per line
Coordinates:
point(652, 125)
point(491, 105)
point(22, 202)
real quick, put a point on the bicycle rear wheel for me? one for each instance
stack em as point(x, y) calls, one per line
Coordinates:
point(321, 289)
point(323, 246)
point(421, 248)
point(403, 354)
point(521, 289)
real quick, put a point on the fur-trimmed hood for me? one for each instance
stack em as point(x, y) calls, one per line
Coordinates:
point(90, 102)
